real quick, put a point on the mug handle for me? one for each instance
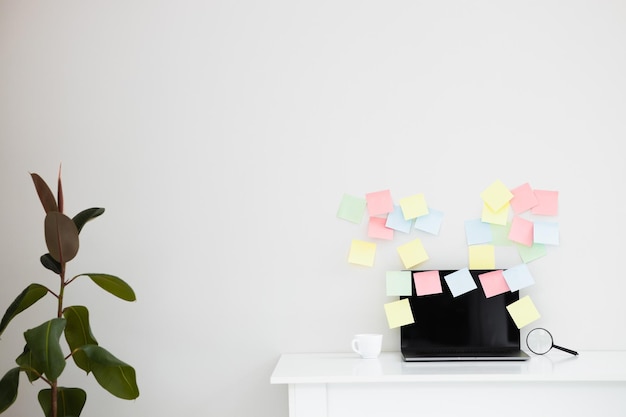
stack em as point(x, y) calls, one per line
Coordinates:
point(355, 346)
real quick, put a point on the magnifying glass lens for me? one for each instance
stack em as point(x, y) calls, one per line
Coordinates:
point(539, 341)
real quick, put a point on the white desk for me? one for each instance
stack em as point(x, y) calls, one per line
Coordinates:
point(557, 384)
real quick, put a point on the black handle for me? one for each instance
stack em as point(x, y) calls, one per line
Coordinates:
point(570, 351)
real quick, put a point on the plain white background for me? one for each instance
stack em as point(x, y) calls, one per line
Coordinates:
point(221, 135)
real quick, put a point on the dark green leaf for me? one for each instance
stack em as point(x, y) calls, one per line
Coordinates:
point(78, 333)
point(48, 261)
point(84, 216)
point(25, 361)
point(70, 401)
point(114, 285)
point(111, 373)
point(45, 195)
point(27, 298)
point(8, 388)
point(61, 236)
point(43, 342)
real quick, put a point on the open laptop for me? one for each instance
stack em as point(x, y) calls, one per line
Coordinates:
point(468, 327)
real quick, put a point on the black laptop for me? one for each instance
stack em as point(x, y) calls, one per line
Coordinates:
point(469, 327)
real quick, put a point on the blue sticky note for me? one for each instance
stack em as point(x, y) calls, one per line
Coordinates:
point(460, 282)
point(430, 223)
point(477, 232)
point(518, 277)
point(396, 221)
point(546, 232)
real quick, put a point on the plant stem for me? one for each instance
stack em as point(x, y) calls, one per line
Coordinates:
point(54, 387)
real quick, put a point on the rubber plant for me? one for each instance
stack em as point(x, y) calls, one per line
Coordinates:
point(44, 357)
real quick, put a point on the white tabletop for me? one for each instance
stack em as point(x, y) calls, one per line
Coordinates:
point(315, 368)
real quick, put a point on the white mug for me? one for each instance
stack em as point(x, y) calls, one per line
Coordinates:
point(367, 345)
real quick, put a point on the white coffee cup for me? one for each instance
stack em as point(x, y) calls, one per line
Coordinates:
point(367, 345)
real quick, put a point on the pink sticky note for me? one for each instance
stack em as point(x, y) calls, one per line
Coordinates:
point(548, 203)
point(379, 202)
point(523, 198)
point(377, 229)
point(493, 283)
point(427, 282)
point(522, 231)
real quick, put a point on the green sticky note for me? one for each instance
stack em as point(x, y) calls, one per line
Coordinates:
point(351, 208)
point(398, 283)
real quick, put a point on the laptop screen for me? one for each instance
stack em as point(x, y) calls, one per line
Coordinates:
point(468, 322)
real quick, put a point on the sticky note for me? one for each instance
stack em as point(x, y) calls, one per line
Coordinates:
point(500, 217)
point(477, 232)
point(521, 231)
point(546, 232)
point(523, 312)
point(412, 253)
point(534, 252)
point(493, 283)
point(414, 206)
point(376, 229)
point(523, 198)
point(482, 257)
point(431, 222)
point(399, 313)
point(500, 235)
point(427, 282)
point(398, 283)
point(379, 202)
point(548, 203)
point(351, 208)
point(460, 282)
point(396, 221)
point(362, 253)
point(518, 277)
point(496, 195)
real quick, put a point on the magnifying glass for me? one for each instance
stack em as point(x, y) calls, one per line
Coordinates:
point(539, 342)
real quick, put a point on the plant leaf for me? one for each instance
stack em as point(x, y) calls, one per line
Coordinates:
point(60, 192)
point(114, 285)
point(111, 373)
point(70, 401)
point(43, 342)
point(25, 361)
point(27, 298)
point(78, 333)
point(49, 263)
point(8, 388)
point(84, 216)
point(45, 195)
point(61, 237)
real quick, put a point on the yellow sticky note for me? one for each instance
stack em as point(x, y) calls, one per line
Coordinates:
point(523, 312)
point(499, 217)
point(482, 257)
point(399, 313)
point(412, 253)
point(413, 206)
point(362, 253)
point(496, 195)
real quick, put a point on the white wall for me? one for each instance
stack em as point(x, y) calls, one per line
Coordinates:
point(221, 135)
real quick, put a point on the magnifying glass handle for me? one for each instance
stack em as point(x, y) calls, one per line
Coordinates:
point(571, 352)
